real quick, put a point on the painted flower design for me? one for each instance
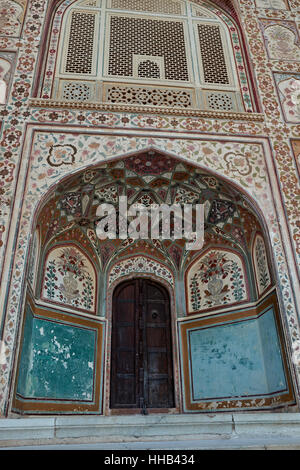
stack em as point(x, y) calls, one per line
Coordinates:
point(69, 279)
point(282, 43)
point(61, 155)
point(215, 264)
point(217, 280)
point(9, 24)
point(139, 264)
point(238, 163)
point(71, 261)
point(69, 288)
point(290, 90)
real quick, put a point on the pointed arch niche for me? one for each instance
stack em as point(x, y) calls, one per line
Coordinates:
point(228, 340)
point(172, 54)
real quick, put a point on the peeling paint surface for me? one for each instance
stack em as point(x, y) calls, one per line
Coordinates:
point(238, 359)
point(59, 362)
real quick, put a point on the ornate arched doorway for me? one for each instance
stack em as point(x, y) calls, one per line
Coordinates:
point(225, 315)
point(141, 353)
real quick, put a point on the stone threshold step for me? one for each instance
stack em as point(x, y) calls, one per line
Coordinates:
point(150, 427)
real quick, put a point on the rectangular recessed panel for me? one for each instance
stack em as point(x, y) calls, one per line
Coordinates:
point(61, 361)
point(239, 359)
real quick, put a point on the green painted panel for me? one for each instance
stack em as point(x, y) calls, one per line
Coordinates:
point(61, 364)
point(227, 361)
point(271, 352)
point(240, 359)
point(26, 353)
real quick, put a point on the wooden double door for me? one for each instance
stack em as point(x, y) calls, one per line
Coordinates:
point(141, 355)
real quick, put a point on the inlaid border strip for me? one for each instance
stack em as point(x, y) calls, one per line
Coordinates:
point(47, 103)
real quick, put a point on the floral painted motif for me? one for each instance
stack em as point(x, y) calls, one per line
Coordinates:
point(215, 280)
point(288, 86)
point(184, 196)
point(149, 163)
point(10, 18)
point(238, 163)
point(140, 264)
point(220, 211)
point(107, 193)
point(61, 155)
point(263, 278)
point(69, 279)
point(32, 268)
point(71, 203)
point(296, 151)
point(282, 42)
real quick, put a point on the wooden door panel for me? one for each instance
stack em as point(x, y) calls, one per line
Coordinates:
point(125, 395)
point(157, 363)
point(126, 362)
point(156, 337)
point(141, 369)
point(156, 312)
point(123, 358)
point(159, 348)
point(159, 391)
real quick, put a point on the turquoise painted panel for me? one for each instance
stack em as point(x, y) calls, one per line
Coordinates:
point(227, 361)
point(26, 352)
point(272, 353)
point(61, 362)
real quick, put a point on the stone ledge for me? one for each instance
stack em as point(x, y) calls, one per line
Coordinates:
point(267, 423)
point(142, 426)
point(138, 428)
point(27, 428)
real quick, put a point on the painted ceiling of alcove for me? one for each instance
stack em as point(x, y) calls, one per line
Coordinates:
point(148, 177)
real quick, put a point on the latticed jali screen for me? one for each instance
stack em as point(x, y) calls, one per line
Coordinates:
point(212, 54)
point(129, 36)
point(141, 58)
point(149, 96)
point(81, 43)
point(156, 6)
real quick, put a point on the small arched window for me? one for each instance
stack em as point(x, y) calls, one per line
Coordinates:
point(170, 53)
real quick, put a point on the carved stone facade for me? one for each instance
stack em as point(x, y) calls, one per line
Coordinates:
point(194, 102)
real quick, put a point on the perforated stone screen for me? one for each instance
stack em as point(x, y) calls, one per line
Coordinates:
point(212, 54)
point(148, 69)
point(157, 6)
point(130, 35)
point(81, 41)
point(220, 101)
point(169, 53)
point(149, 96)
